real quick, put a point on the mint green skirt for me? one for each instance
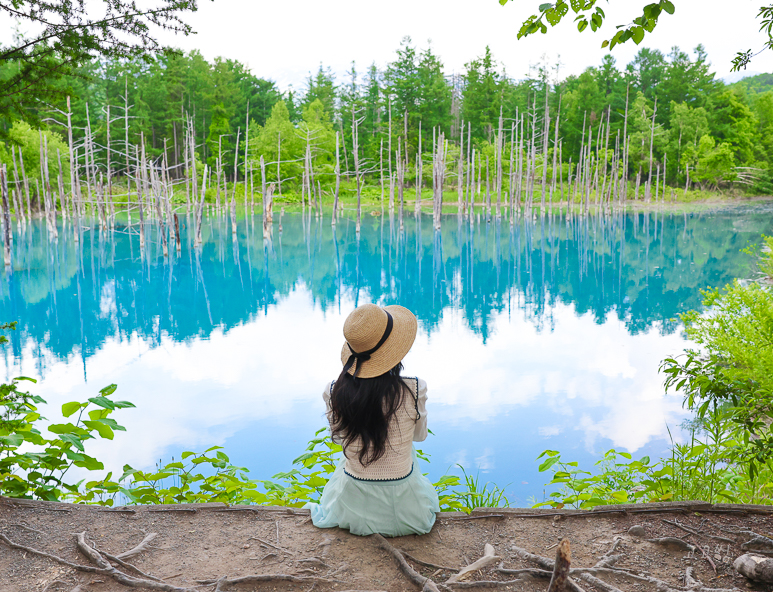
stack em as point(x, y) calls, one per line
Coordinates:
point(391, 508)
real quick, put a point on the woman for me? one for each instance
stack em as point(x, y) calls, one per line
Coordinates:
point(376, 414)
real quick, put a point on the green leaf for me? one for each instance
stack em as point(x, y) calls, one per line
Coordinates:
point(96, 414)
point(69, 408)
point(542, 8)
point(108, 390)
point(90, 463)
point(64, 428)
point(547, 464)
point(104, 430)
point(103, 402)
point(638, 35)
point(12, 440)
point(74, 440)
point(582, 25)
point(668, 6)
point(124, 404)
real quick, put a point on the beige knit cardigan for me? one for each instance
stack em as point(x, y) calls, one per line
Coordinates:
point(408, 425)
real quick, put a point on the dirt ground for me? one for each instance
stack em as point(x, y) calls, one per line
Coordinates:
point(213, 547)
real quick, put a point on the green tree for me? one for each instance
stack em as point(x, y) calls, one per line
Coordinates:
point(434, 103)
point(22, 137)
point(321, 87)
point(219, 138)
point(482, 95)
point(277, 138)
point(763, 108)
point(68, 35)
point(712, 164)
point(733, 121)
point(687, 126)
point(402, 80)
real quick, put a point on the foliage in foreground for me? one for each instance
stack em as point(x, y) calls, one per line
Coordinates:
point(728, 384)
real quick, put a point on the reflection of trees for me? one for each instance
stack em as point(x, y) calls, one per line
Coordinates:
point(645, 268)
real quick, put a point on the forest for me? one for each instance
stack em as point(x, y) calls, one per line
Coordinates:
point(659, 119)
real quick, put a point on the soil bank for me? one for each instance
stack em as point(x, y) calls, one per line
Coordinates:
point(216, 547)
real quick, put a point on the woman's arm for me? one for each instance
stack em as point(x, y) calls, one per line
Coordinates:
point(420, 431)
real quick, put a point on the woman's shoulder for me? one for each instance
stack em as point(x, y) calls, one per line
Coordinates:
point(415, 383)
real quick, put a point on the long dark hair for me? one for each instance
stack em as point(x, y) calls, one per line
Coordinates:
point(362, 409)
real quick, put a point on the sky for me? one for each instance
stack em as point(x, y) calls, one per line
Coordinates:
point(284, 41)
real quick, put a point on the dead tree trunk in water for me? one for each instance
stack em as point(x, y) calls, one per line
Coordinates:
point(6, 218)
point(200, 209)
point(356, 155)
point(338, 179)
point(236, 177)
point(500, 147)
point(419, 166)
point(399, 171)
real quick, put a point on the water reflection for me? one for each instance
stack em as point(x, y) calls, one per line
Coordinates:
point(542, 333)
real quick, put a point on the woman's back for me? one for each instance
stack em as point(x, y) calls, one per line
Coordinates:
point(405, 427)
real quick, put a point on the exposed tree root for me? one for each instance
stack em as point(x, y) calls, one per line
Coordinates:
point(590, 574)
point(563, 577)
point(413, 576)
point(673, 543)
point(106, 568)
point(490, 583)
point(258, 578)
point(143, 546)
point(84, 568)
point(427, 563)
point(489, 558)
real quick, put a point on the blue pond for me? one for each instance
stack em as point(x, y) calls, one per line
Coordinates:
point(546, 333)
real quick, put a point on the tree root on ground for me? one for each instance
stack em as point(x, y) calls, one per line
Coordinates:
point(104, 567)
point(413, 576)
point(563, 577)
point(603, 567)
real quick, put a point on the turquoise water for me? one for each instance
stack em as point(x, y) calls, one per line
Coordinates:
point(542, 334)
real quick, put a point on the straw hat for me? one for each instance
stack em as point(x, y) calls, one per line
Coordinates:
point(377, 339)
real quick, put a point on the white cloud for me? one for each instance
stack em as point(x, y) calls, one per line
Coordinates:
point(548, 431)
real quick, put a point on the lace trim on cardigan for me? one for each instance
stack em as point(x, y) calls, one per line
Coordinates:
point(348, 474)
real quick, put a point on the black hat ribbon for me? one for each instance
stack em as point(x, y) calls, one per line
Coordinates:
point(365, 356)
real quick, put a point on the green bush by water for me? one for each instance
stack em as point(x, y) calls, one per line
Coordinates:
point(728, 384)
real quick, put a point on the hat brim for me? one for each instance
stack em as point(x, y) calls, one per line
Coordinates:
point(395, 348)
